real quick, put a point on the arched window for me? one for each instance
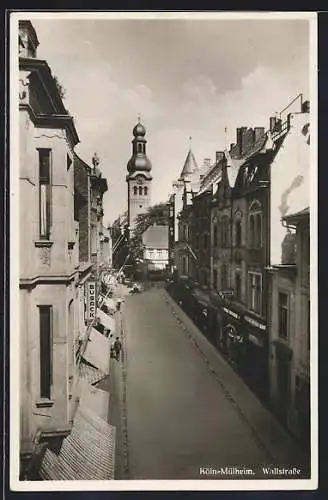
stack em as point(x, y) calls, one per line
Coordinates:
point(139, 147)
point(238, 232)
point(135, 190)
point(224, 231)
point(224, 277)
point(145, 191)
point(215, 235)
point(255, 224)
point(140, 190)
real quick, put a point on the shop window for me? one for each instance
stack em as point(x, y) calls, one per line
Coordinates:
point(44, 192)
point(145, 191)
point(255, 225)
point(45, 318)
point(135, 190)
point(283, 315)
point(238, 233)
point(255, 292)
point(238, 286)
point(140, 190)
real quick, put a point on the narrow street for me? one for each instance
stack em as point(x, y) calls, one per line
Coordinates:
point(182, 407)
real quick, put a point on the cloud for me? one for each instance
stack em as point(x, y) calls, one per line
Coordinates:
point(185, 78)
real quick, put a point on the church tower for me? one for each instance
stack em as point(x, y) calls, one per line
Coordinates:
point(139, 177)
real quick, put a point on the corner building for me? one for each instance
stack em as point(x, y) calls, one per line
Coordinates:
point(49, 257)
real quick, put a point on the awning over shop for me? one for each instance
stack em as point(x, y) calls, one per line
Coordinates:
point(88, 453)
point(110, 303)
point(96, 400)
point(97, 351)
point(90, 373)
point(106, 320)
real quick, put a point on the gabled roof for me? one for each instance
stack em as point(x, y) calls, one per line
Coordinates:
point(190, 166)
point(156, 237)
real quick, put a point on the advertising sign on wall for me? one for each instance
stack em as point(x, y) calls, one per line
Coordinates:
point(91, 300)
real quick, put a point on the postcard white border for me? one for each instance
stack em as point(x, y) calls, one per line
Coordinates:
point(16, 240)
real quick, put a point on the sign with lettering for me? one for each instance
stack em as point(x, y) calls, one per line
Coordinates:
point(231, 313)
point(91, 300)
point(254, 322)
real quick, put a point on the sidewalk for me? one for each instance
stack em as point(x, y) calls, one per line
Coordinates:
point(270, 435)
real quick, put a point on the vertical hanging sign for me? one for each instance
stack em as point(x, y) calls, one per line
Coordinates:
point(91, 300)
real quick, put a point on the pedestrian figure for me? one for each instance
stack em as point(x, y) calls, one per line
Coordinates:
point(117, 348)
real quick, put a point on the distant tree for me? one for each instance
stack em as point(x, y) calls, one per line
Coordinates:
point(60, 88)
point(157, 214)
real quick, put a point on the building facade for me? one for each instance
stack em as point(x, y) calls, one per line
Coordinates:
point(56, 191)
point(289, 271)
point(139, 177)
point(49, 257)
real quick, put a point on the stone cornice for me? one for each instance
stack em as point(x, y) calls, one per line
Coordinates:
point(46, 279)
point(53, 121)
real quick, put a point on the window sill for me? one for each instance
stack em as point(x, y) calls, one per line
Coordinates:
point(43, 243)
point(44, 403)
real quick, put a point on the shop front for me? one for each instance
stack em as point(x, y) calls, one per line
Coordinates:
point(256, 363)
point(232, 339)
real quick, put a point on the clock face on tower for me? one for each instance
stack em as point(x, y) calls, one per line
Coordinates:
point(140, 179)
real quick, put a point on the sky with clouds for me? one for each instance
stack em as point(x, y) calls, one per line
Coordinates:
point(185, 77)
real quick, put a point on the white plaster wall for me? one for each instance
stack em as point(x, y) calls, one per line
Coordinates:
point(56, 415)
point(291, 165)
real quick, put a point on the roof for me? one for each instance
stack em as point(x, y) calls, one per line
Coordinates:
point(297, 216)
point(190, 166)
point(88, 453)
point(156, 237)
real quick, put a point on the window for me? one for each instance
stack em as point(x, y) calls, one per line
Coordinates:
point(215, 278)
point(283, 314)
point(224, 277)
point(205, 241)
point(145, 191)
point(140, 190)
point(255, 225)
point(215, 235)
point(224, 231)
point(139, 148)
point(44, 193)
point(45, 314)
point(238, 233)
point(238, 286)
point(255, 292)
point(135, 190)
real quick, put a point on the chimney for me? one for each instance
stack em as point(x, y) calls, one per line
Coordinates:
point(240, 134)
point(27, 39)
point(272, 123)
point(258, 132)
point(219, 155)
